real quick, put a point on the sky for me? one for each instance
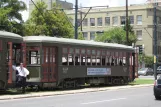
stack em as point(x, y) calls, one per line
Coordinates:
point(87, 3)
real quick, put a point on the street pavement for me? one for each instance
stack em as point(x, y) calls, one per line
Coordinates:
point(148, 77)
point(132, 97)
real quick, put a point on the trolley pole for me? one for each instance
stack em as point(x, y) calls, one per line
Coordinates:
point(155, 42)
point(127, 27)
point(76, 19)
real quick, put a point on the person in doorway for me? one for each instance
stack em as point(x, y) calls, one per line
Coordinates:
point(22, 75)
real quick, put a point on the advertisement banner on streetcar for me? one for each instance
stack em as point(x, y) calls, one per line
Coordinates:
point(98, 71)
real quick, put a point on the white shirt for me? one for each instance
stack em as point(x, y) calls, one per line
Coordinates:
point(22, 72)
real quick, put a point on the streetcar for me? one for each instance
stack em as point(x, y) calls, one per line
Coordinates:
point(11, 53)
point(69, 63)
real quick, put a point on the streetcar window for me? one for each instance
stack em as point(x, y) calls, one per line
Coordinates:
point(77, 51)
point(107, 60)
point(98, 52)
point(71, 50)
point(33, 55)
point(71, 59)
point(116, 54)
point(83, 51)
point(65, 50)
point(77, 60)
point(103, 60)
point(88, 60)
point(108, 53)
point(112, 54)
point(77, 57)
point(93, 60)
point(93, 52)
point(116, 58)
point(88, 52)
point(16, 53)
point(65, 56)
point(50, 55)
point(65, 60)
point(98, 58)
point(98, 61)
point(83, 57)
point(103, 52)
point(46, 59)
point(120, 59)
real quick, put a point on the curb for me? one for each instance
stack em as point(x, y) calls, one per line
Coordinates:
point(45, 94)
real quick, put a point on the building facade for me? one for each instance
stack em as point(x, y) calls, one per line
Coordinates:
point(141, 18)
point(63, 4)
point(158, 2)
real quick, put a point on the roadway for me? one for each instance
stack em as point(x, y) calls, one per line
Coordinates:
point(133, 97)
point(148, 77)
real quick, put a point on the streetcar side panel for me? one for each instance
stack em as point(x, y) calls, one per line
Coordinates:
point(80, 69)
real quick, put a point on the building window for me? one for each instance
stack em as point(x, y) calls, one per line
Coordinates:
point(92, 35)
point(158, 20)
point(85, 22)
point(139, 19)
point(99, 21)
point(131, 19)
point(115, 20)
point(107, 20)
point(92, 21)
point(139, 34)
point(123, 20)
point(85, 35)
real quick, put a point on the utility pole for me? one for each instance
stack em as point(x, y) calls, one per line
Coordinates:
point(81, 17)
point(76, 19)
point(155, 42)
point(127, 27)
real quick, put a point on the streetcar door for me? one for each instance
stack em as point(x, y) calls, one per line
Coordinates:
point(52, 64)
point(131, 66)
point(48, 64)
point(9, 57)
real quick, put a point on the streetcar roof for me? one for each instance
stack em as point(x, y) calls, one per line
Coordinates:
point(48, 39)
point(5, 34)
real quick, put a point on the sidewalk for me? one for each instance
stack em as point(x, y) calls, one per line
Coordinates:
point(85, 90)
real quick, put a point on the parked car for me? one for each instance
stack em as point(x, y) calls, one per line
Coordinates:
point(146, 71)
point(159, 70)
point(157, 89)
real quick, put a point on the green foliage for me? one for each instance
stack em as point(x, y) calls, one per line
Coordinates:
point(80, 36)
point(10, 16)
point(148, 60)
point(116, 35)
point(4, 22)
point(53, 23)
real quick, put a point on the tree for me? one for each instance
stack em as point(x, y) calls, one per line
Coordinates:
point(49, 23)
point(148, 60)
point(11, 18)
point(80, 36)
point(4, 23)
point(116, 35)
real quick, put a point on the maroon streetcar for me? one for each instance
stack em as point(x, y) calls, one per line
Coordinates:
point(65, 63)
